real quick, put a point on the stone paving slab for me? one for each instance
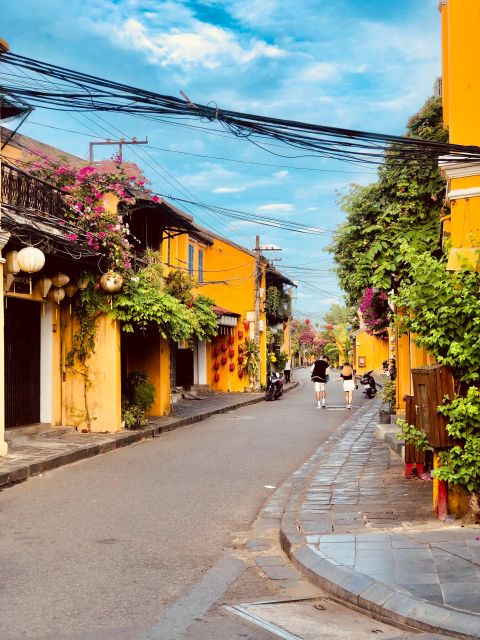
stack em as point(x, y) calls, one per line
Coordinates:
point(37, 449)
point(365, 533)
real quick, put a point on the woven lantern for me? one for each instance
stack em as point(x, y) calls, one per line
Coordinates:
point(82, 282)
point(111, 282)
point(232, 366)
point(240, 373)
point(231, 353)
point(223, 360)
point(11, 262)
point(240, 335)
point(44, 285)
point(224, 346)
point(56, 294)
point(216, 377)
point(216, 365)
point(60, 279)
point(70, 290)
point(231, 339)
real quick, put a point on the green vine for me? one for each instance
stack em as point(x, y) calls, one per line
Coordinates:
point(412, 435)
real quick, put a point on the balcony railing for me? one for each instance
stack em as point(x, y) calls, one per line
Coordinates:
point(22, 190)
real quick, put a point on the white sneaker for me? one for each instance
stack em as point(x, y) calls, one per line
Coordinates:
point(318, 405)
point(324, 406)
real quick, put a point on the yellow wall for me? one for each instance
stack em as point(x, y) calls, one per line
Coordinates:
point(373, 349)
point(103, 388)
point(460, 22)
point(461, 81)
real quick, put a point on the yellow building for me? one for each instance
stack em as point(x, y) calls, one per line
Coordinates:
point(40, 328)
point(460, 22)
point(369, 351)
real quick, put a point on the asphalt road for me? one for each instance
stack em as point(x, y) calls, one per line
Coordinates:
point(125, 544)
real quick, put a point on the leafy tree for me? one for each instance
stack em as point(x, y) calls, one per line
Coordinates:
point(403, 206)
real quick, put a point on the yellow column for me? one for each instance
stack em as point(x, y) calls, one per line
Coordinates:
point(4, 236)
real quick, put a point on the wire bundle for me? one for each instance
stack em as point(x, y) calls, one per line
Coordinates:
point(74, 91)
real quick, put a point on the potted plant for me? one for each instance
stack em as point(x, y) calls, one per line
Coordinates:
point(389, 399)
point(251, 362)
point(140, 396)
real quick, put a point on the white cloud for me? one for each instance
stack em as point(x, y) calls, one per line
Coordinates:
point(280, 174)
point(196, 44)
point(277, 206)
point(228, 190)
point(319, 71)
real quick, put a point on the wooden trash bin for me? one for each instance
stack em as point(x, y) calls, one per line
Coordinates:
point(430, 385)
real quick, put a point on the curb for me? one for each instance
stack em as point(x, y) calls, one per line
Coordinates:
point(387, 602)
point(117, 441)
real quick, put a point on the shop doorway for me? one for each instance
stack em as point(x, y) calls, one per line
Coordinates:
point(22, 363)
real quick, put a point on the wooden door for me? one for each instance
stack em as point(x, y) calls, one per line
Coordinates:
point(22, 363)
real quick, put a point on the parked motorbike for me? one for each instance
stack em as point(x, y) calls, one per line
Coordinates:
point(275, 382)
point(369, 384)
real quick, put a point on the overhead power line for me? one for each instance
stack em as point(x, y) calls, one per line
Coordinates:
point(75, 91)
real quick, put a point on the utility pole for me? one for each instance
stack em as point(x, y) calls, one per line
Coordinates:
point(119, 143)
point(258, 294)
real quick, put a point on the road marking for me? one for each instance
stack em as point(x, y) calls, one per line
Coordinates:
point(177, 618)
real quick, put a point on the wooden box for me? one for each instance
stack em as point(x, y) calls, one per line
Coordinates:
point(430, 385)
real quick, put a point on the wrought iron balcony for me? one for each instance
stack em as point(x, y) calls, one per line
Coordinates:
point(25, 192)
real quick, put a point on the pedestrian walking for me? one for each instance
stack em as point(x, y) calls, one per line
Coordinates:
point(287, 369)
point(346, 374)
point(320, 373)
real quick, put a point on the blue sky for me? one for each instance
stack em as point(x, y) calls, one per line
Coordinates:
point(362, 64)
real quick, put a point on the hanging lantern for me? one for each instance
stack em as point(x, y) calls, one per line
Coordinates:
point(307, 322)
point(56, 295)
point(11, 262)
point(71, 289)
point(223, 360)
point(216, 377)
point(240, 348)
point(60, 279)
point(83, 281)
point(231, 366)
point(9, 280)
point(30, 259)
point(44, 284)
point(216, 365)
point(216, 352)
point(240, 359)
point(246, 324)
point(240, 335)
point(224, 346)
point(111, 282)
point(329, 327)
point(231, 339)
point(240, 373)
point(231, 353)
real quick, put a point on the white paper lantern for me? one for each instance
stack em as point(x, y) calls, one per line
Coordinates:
point(11, 262)
point(111, 282)
point(60, 279)
point(30, 259)
point(45, 285)
point(57, 294)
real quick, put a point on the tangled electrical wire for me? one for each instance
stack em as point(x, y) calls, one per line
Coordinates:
point(75, 91)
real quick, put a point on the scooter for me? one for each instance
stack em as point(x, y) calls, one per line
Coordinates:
point(369, 384)
point(275, 382)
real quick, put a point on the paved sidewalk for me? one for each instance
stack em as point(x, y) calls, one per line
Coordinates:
point(366, 534)
point(38, 448)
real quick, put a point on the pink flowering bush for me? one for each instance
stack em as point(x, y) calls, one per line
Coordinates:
point(84, 192)
point(375, 311)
